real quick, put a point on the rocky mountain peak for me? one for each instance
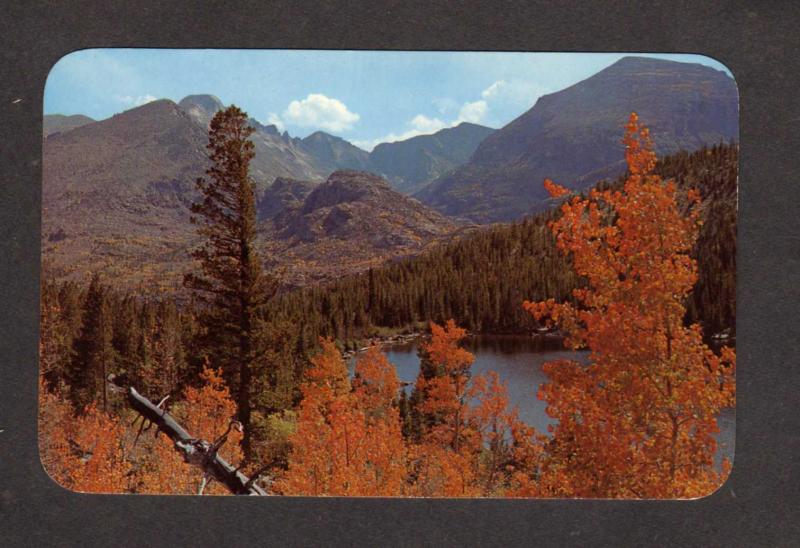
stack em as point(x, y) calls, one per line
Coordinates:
point(201, 107)
point(352, 221)
point(573, 136)
point(347, 186)
point(284, 194)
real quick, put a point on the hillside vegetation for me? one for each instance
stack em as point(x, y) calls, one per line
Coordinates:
point(482, 279)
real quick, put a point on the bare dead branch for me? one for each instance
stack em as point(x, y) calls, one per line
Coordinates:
point(196, 452)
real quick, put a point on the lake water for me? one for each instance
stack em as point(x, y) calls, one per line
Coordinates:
point(518, 361)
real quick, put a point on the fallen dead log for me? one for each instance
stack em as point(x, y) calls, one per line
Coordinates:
point(196, 452)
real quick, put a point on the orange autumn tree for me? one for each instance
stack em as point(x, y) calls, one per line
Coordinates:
point(445, 391)
point(469, 443)
point(639, 420)
point(206, 413)
point(443, 463)
point(509, 450)
point(348, 440)
point(375, 394)
point(85, 453)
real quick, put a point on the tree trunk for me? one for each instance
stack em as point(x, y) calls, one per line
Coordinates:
point(196, 452)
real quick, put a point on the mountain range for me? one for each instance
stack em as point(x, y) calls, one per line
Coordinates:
point(408, 165)
point(573, 136)
point(415, 162)
point(353, 221)
point(116, 191)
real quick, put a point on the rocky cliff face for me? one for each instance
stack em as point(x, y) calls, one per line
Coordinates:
point(277, 155)
point(350, 222)
point(201, 108)
point(284, 194)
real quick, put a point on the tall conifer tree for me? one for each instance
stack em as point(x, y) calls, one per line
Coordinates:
point(232, 283)
point(94, 351)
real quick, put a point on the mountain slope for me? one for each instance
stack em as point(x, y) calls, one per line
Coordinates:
point(276, 155)
point(116, 193)
point(116, 197)
point(352, 221)
point(55, 123)
point(415, 162)
point(282, 195)
point(576, 132)
point(332, 153)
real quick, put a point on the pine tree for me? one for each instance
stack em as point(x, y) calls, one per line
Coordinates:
point(94, 352)
point(232, 285)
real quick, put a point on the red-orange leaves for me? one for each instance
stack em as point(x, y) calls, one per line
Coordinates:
point(471, 444)
point(206, 413)
point(556, 191)
point(347, 442)
point(376, 384)
point(84, 453)
point(638, 421)
point(445, 393)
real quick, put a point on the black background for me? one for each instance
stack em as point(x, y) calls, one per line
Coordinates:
point(758, 41)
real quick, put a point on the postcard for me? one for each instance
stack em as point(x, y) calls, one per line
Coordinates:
point(389, 274)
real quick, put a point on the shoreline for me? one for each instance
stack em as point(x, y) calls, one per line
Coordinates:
point(391, 340)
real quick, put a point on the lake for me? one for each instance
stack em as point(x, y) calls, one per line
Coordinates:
point(518, 360)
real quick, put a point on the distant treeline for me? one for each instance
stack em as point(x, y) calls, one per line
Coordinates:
point(482, 280)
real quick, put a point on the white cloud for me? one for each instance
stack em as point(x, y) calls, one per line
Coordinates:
point(505, 94)
point(135, 101)
point(320, 111)
point(276, 121)
point(473, 112)
point(494, 89)
point(423, 125)
point(514, 93)
point(419, 125)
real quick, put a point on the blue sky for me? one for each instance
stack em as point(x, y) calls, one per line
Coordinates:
point(366, 97)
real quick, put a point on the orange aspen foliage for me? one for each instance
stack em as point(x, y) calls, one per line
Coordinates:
point(468, 448)
point(438, 471)
point(639, 420)
point(556, 191)
point(375, 384)
point(492, 426)
point(383, 463)
point(55, 431)
point(507, 450)
point(206, 413)
point(524, 466)
point(347, 442)
point(445, 395)
point(106, 470)
point(327, 378)
point(84, 453)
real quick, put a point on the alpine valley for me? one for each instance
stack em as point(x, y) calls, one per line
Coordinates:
point(542, 310)
point(116, 192)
